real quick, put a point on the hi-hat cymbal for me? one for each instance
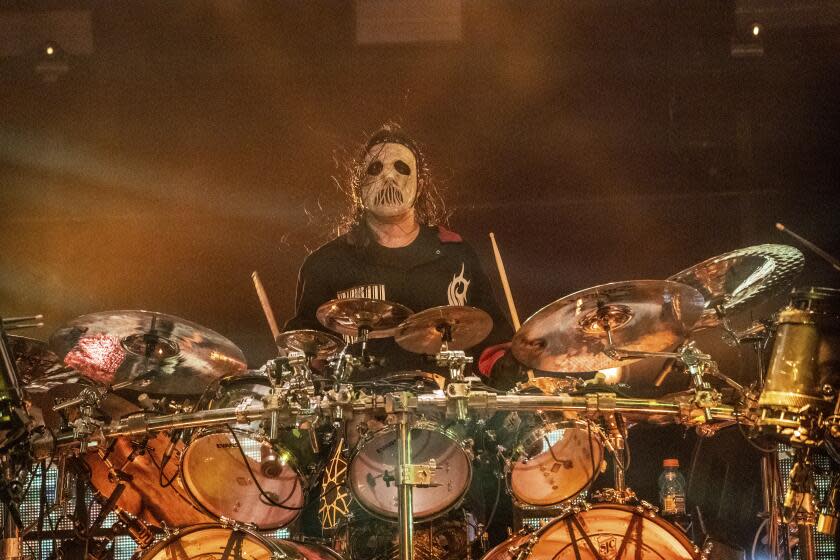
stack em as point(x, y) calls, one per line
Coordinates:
point(160, 354)
point(644, 315)
point(349, 316)
point(423, 332)
point(742, 279)
point(314, 344)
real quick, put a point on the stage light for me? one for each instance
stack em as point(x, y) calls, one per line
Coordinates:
point(756, 30)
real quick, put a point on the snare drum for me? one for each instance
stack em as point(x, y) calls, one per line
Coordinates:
point(604, 531)
point(371, 476)
point(219, 480)
point(216, 541)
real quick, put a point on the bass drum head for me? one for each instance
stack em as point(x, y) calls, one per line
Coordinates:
point(219, 481)
point(144, 497)
point(644, 536)
point(214, 542)
point(556, 463)
point(372, 472)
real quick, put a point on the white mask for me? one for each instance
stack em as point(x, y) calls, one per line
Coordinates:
point(389, 186)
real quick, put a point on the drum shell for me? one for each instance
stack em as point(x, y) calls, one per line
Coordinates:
point(558, 474)
point(143, 497)
point(200, 541)
point(605, 525)
point(212, 464)
point(520, 433)
point(462, 454)
point(805, 353)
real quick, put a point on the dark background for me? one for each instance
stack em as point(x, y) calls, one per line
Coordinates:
point(191, 143)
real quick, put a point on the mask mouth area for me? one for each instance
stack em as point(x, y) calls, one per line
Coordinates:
point(389, 196)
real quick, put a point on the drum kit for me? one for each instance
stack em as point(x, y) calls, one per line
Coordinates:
point(200, 457)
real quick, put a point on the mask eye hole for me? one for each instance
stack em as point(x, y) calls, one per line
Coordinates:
point(402, 167)
point(375, 168)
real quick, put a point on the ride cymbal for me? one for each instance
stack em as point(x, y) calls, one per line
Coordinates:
point(742, 279)
point(462, 326)
point(351, 315)
point(569, 334)
point(156, 353)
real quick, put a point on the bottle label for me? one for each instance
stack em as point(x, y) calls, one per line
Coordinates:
point(673, 504)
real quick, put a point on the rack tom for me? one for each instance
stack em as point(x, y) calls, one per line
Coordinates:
point(234, 472)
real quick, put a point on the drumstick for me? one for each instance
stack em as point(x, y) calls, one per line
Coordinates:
point(266, 307)
point(514, 316)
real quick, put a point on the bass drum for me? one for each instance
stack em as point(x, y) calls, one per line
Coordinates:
point(219, 480)
point(215, 542)
point(604, 531)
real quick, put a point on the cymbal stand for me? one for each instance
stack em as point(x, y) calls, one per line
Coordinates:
point(800, 507)
point(616, 442)
point(457, 388)
point(408, 475)
point(15, 456)
point(697, 363)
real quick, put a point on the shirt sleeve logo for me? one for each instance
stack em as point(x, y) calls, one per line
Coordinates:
point(456, 293)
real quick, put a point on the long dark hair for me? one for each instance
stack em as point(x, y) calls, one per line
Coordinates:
point(429, 208)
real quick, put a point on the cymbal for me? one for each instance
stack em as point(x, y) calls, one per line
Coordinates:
point(36, 364)
point(348, 316)
point(423, 332)
point(158, 353)
point(644, 315)
point(314, 344)
point(742, 279)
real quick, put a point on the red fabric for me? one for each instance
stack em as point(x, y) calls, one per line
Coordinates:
point(448, 236)
point(490, 356)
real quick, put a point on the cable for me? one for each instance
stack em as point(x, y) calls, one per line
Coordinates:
point(755, 539)
point(263, 493)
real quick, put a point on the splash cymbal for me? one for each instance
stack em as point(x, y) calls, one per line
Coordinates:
point(313, 344)
point(742, 279)
point(569, 334)
point(349, 316)
point(157, 353)
point(464, 326)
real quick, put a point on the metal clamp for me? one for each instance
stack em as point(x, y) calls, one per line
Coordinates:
point(417, 475)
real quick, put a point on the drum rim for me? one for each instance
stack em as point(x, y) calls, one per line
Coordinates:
point(597, 434)
point(646, 513)
point(293, 463)
point(273, 547)
point(418, 424)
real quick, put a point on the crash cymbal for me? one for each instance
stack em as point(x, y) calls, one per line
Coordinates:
point(160, 354)
point(742, 279)
point(314, 344)
point(35, 362)
point(464, 326)
point(644, 315)
point(347, 316)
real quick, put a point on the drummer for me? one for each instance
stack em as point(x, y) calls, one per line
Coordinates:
point(396, 248)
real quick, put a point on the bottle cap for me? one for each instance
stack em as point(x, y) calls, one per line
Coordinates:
point(671, 463)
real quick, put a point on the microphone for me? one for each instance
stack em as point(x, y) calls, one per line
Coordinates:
point(170, 449)
point(270, 463)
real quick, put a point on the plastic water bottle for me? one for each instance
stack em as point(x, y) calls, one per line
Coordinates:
point(672, 490)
